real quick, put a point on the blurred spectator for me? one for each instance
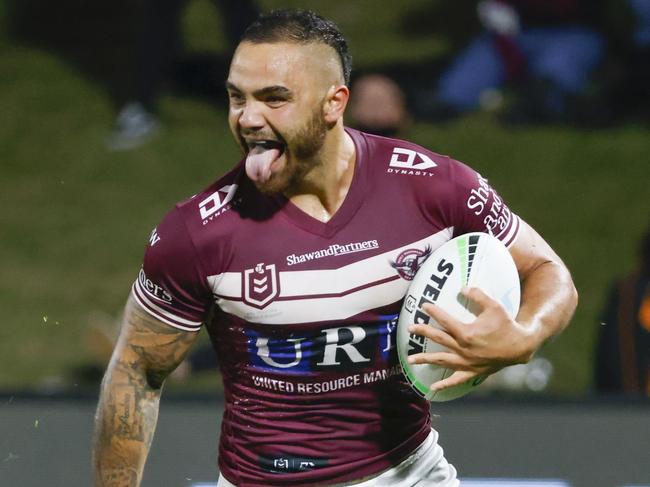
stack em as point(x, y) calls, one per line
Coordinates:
point(378, 105)
point(633, 94)
point(159, 45)
point(546, 50)
point(623, 351)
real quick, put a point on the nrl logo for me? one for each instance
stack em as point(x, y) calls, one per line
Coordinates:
point(260, 285)
point(409, 261)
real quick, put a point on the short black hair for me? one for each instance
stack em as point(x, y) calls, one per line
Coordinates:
point(302, 27)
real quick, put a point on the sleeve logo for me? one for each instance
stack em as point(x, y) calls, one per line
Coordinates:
point(219, 200)
point(154, 238)
point(409, 159)
point(152, 289)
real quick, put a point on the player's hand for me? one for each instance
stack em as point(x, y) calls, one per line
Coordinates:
point(484, 346)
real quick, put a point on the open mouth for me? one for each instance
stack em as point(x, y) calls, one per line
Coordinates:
point(263, 158)
point(259, 146)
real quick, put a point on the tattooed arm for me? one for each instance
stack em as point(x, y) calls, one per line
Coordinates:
point(146, 352)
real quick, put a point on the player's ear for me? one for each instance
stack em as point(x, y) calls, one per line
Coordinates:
point(335, 103)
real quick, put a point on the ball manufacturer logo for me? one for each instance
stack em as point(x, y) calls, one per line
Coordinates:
point(430, 295)
point(409, 261)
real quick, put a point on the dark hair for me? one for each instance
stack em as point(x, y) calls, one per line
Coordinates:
point(301, 27)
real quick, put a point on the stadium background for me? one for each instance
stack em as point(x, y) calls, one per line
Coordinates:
point(75, 218)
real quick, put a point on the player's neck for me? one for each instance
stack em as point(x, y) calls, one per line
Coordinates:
point(323, 190)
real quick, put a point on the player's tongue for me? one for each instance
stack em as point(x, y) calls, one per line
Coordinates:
point(259, 161)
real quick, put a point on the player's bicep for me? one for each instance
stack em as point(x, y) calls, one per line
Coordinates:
point(530, 251)
point(150, 346)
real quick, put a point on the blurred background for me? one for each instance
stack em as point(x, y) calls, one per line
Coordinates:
point(110, 112)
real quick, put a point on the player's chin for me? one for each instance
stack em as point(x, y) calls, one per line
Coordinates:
point(276, 184)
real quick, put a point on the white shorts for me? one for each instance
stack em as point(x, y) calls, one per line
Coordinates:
point(425, 467)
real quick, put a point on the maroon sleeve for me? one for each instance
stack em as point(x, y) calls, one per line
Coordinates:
point(476, 207)
point(171, 285)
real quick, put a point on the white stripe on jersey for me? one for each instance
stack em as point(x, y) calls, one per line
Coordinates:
point(324, 294)
point(159, 313)
point(513, 232)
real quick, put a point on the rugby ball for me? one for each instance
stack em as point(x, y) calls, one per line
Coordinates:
point(474, 260)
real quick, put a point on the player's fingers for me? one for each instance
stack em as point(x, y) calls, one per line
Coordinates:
point(442, 359)
point(478, 299)
point(444, 319)
point(435, 334)
point(455, 379)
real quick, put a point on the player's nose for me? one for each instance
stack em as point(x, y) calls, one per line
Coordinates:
point(251, 117)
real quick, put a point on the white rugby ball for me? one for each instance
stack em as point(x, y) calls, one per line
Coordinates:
point(474, 260)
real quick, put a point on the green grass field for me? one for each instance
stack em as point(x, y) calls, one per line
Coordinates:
point(75, 218)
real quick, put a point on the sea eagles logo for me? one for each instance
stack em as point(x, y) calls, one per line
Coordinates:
point(409, 261)
point(260, 285)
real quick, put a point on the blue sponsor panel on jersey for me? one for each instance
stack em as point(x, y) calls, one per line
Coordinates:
point(345, 347)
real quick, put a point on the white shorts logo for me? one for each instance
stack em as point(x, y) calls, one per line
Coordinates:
point(410, 159)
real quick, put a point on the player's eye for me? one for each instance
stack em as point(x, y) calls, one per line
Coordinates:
point(236, 99)
point(275, 101)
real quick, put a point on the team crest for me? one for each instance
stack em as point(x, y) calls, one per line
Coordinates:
point(409, 261)
point(261, 285)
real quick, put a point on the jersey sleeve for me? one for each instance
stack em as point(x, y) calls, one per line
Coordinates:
point(476, 207)
point(171, 285)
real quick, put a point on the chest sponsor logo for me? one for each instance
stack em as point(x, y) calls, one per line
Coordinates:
point(409, 261)
point(261, 285)
point(218, 202)
point(332, 250)
point(325, 349)
point(346, 356)
point(409, 162)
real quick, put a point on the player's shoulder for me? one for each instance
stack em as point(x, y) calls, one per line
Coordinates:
point(400, 157)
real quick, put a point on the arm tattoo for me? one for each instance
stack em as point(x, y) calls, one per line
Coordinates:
point(147, 351)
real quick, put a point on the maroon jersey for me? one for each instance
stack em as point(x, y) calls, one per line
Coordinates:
point(302, 313)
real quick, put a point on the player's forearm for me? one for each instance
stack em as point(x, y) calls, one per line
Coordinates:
point(549, 299)
point(124, 426)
